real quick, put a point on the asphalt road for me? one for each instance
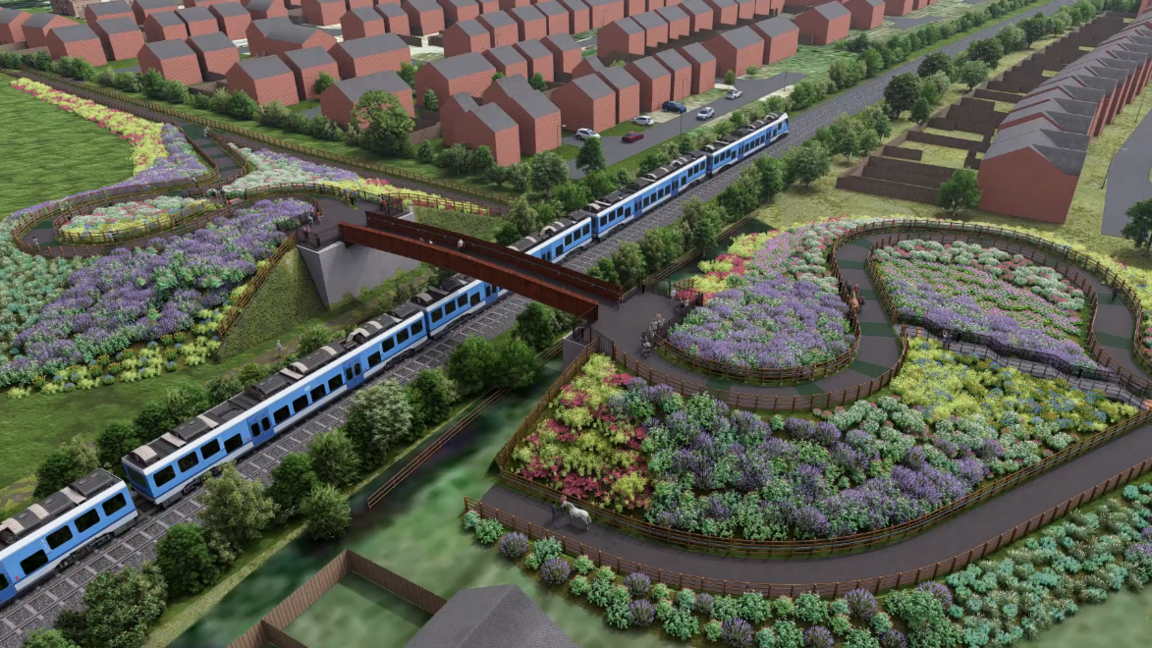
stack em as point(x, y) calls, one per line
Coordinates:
point(1128, 173)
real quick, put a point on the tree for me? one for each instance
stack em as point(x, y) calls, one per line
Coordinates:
point(742, 196)
point(1138, 229)
point(408, 73)
point(327, 513)
point(456, 158)
point(153, 83)
point(730, 77)
point(482, 160)
point(933, 63)
point(221, 388)
point(629, 263)
point(702, 221)
point(960, 192)
point(876, 118)
point(661, 245)
point(389, 126)
point(314, 337)
point(771, 177)
point(48, 639)
point(573, 196)
point(323, 82)
point(869, 141)
point(751, 70)
point(604, 270)
point(378, 419)
point(537, 326)
point(538, 83)
point(117, 439)
point(508, 233)
point(591, 157)
point(182, 555)
point(520, 175)
point(470, 365)
point(845, 73)
point(65, 465)
point(292, 479)
point(334, 458)
point(324, 128)
point(989, 50)
point(430, 101)
point(431, 395)
point(929, 92)
point(900, 93)
point(236, 510)
point(241, 106)
point(600, 183)
point(1012, 38)
point(844, 136)
point(973, 73)
point(921, 111)
point(118, 609)
point(807, 164)
point(426, 152)
point(548, 170)
point(1034, 28)
point(523, 216)
point(516, 365)
point(873, 62)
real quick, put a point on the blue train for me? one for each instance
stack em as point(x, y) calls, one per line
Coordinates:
point(61, 528)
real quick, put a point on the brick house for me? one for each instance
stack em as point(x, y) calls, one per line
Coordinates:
point(307, 65)
point(625, 36)
point(425, 17)
point(507, 60)
point(231, 18)
point(634, 7)
point(364, 56)
point(725, 12)
point(208, 3)
point(475, 126)
point(323, 12)
point(781, 38)
point(12, 25)
point(459, 10)
point(37, 26)
point(703, 67)
point(866, 14)
point(215, 53)
point(653, 5)
point(627, 90)
point(77, 41)
point(823, 24)
point(678, 24)
point(603, 12)
point(503, 29)
point(337, 102)
point(164, 26)
point(536, 116)
point(488, 6)
point(655, 82)
point(121, 37)
point(898, 7)
point(395, 18)
point(565, 53)
point(105, 10)
point(555, 16)
point(173, 59)
point(655, 28)
point(265, 79)
point(579, 15)
point(736, 50)
point(745, 10)
point(361, 23)
point(589, 65)
point(470, 73)
point(144, 8)
point(700, 15)
point(287, 37)
point(539, 59)
point(257, 32)
point(198, 20)
point(265, 9)
point(681, 71)
point(587, 102)
point(466, 36)
point(530, 23)
point(358, 4)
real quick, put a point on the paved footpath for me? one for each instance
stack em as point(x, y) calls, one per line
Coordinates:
point(1128, 173)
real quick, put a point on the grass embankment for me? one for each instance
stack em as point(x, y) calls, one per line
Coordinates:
point(474, 225)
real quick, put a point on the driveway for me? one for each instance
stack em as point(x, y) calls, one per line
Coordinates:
point(1128, 176)
point(616, 150)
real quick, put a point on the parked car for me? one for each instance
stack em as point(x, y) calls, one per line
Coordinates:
point(633, 136)
point(643, 120)
point(706, 112)
point(733, 93)
point(586, 133)
point(675, 107)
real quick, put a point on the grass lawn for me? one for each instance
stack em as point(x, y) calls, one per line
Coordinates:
point(939, 155)
point(118, 65)
point(481, 227)
point(620, 130)
point(305, 105)
point(53, 154)
point(358, 614)
point(566, 152)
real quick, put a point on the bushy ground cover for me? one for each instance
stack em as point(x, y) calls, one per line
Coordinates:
point(951, 423)
point(122, 219)
point(475, 225)
point(967, 287)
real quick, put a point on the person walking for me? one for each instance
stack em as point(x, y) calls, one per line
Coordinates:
point(460, 245)
point(556, 508)
point(279, 349)
point(1114, 291)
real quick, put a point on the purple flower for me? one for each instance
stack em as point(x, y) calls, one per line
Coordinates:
point(642, 613)
point(939, 591)
point(818, 637)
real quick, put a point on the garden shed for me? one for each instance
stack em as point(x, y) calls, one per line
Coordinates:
point(781, 38)
point(198, 20)
point(555, 16)
point(173, 59)
point(120, 37)
point(105, 10)
point(465, 37)
point(501, 615)
point(364, 56)
point(579, 15)
point(232, 19)
point(507, 60)
point(539, 59)
point(587, 102)
point(627, 90)
point(216, 54)
point(396, 19)
point(77, 41)
point(503, 29)
point(703, 67)
point(361, 23)
point(307, 65)
point(425, 17)
point(165, 26)
point(337, 102)
point(530, 23)
point(37, 26)
point(655, 82)
point(265, 79)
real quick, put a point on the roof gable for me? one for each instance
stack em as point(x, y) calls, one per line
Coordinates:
point(831, 10)
point(777, 26)
point(386, 81)
point(618, 78)
point(505, 54)
point(592, 86)
point(455, 67)
point(649, 67)
point(368, 46)
point(309, 57)
point(264, 67)
point(697, 53)
point(74, 34)
point(742, 37)
point(228, 9)
point(170, 49)
point(120, 25)
point(213, 42)
point(673, 61)
point(650, 20)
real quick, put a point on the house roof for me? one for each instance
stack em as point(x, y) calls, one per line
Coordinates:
point(386, 81)
point(423, 5)
point(592, 86)
point(513, 85)
point(192, 14)
point(365, 14)
point(262, 5)
point(390, 10)
point(74, 34)
point(498, 19)
point(551, 8)
point(649, 67)
point(358, 47)
point(170, 49)
point(121, 25)
point(618, 78)
point(671, 12)
point(741, 37)
point(564, 42)
point(470, 28)
point(486, 617)
point(590, 62)
point(695, 7)
point(228, 9)
point(166, 19)
point(574, 5)
point(672, 60)
point(309, 57)
point(264, 25)
point(629, 25)
point(831, 10)
point(1033, 135)
point(264, 67)
point(600, 3)
point(157, 4)
point(532, 48)
point(108, 8)
point(461, 3)
point(874, 3)
point(11, 15)
point(463, 65)
point(534, 103)
point(524, 14)
point(697, 53)
point(496, 120)
point(505, 54)
point(722, 4)
point(291, 32)
point(41, 20)
point(212, 42)
point(650, 20)
point(778, 26)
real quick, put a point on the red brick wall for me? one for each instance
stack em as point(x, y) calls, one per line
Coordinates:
point(306, 78)
point(635, 7)
point(536, 134)
point(265, 90)
point(897, 7)
point(564, 62)
point(142, 14)
point(454, 14)
point(13, 32)
point(427, 22)
point(578, 111)
point(198, 27)
point(820, 30)
point(233, 26)
point(653, 92)
point(501, 36)
point(358, 4)
point(700, 22)
point(781, 47)
point(703, 75)
point(474, 84)
point(519, 67)
point(451, 116)
point(723, 16)
point(657, 35)
point(1026, 185)
point(275, 10)
point(505, 145)
point(627, 101)
point(542, 64)
point(488, 6)
point(557, 23)
point(185, 69)
point(511, 4)
point(532, 28)
point(763, 8)
point(678, 28)
point(353, 26)
point(580, 18)
point(865, 16)
point(606, 12)
point(457, 42)
point(681, 82)
point(335, 106)
point(653, 5)
point(205, 3)
point(746, 9)
point(90, 50)
point(38, 36)
point(365, 65)
point(323, 12)
point(218, 61)
point(127, 13)
point(614, 39)
point(157, 32)
point(395, 19)
point(123, 46)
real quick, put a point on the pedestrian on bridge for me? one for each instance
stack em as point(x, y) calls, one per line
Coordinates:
point(460, 245)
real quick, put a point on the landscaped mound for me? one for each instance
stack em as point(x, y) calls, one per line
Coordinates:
point(126, 220)
point(952, 423)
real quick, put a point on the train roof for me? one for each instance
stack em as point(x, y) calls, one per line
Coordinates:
point(56, 505)
point(404, 311)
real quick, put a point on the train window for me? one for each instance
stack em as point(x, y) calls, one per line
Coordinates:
point(386, 347)
point(233, 444)
point(86, 521)
point(628, 210)
point(318, 393)
point(357, 365)
point(568, 239)
point(281, 415)
point(348, 373)
point(210, 448)
point(437, 314)
point(300, 404)
point(587, 228)
point(402, 337)
point(337, 381)
point(475, 300)
point(164, 476)
point(115, 504)
point(3, 582)
point(462, 300)
point(264, 423)
point(188, 461)
point(58, 537)
point(255, 429)
point(374, 359)
point(34, 562)
point(603, 221)
point(449, 308)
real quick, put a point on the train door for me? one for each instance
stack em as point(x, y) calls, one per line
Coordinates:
point(261, 428)
point(353, 374)
point(7, 587)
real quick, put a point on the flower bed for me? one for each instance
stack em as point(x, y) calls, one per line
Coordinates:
point(139, 295)
point(691, 464)
point(127, 220)
point(967, 287)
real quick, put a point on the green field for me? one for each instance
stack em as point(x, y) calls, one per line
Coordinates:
point(481, 227)
point(358, 614)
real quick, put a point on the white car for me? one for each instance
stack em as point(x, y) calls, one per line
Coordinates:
point(706, 113)
point(586, 133)
point(643, 120)
point(733, 93)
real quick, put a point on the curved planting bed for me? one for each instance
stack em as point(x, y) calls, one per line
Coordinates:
point(129, 220)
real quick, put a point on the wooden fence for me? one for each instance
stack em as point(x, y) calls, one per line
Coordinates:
point(270, 629)
point(876, 584)
point(253, 286)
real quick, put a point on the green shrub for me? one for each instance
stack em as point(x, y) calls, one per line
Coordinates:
point(583, 565)
point(489, 531)
point(579, 586)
